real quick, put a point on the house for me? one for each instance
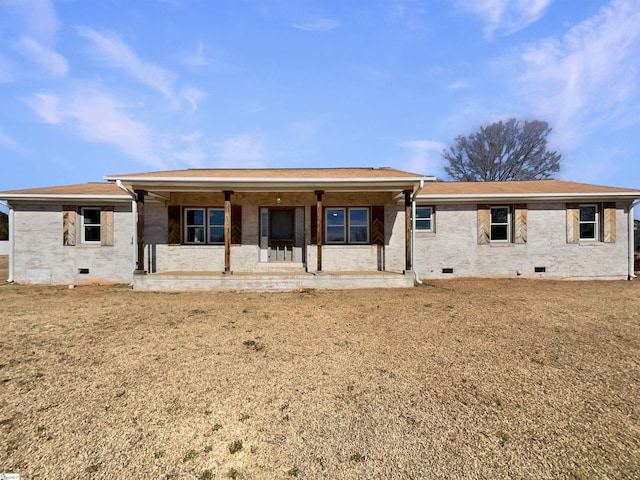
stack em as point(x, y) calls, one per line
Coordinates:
point(541, 228)
point(271, 229)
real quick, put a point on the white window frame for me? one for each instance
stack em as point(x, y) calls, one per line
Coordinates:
point(206, 226)
point(595, 222)
point(85, 225)
point(346, 226)
point(428, 218)
point(507, 224)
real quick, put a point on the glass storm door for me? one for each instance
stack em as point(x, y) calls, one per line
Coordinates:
point(281, 235)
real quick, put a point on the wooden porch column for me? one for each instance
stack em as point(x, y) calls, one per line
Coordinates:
point(227, 231)
point(319, 227)
point(140, 231)
point(407, 230)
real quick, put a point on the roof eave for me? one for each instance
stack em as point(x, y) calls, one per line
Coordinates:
point(471, 198)
point(269, 184)
point(61, 196)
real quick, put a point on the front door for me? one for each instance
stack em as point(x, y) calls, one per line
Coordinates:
point(281, 235)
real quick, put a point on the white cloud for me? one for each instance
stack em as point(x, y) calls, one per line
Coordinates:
point(98, 117)
point(193, 156)
point(241, 151)
point(197, 58)
point(589, 77)
point(46, 107)
point(193, 96)
point(6, 141)
point(317, 25)
point(458, 85)
point(39, 18)
point(119, 55)
point(192, 137)
point(505, 16)
point(409, 13)
point(424, 157)
point(54, 63)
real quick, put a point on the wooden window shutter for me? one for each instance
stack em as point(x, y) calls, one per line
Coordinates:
point(484, 224)
point(69, 217)
point(236, 224)
point(174, 235)
point(573, 223)
point(609, 223)
point(520, 223)
point(314, 225)
point(377, 225)
point(106, 226)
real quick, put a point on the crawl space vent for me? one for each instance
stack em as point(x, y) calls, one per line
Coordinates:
point(447, 270)
point(83, 271)
point(540, 269)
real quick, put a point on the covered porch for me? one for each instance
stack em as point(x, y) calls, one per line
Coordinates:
point(280, 229)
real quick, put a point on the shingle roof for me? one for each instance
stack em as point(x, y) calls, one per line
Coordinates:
point(283, 173)
point(533, 187)
point(88, 189)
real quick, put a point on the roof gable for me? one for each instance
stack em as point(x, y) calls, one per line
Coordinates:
point(272, 173)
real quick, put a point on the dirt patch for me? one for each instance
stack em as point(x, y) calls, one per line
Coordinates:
point(462, 379)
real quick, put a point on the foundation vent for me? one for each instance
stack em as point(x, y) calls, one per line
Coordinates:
point(447, 270)
point(83, 271)
point(539, 269)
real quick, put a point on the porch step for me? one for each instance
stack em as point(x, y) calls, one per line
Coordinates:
point(292, 267)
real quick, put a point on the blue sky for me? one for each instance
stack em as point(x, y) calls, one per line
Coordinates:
point(90, 88)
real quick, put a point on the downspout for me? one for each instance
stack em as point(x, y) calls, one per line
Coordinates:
point(631, 235)
point(134, 214)
point(12, 255)
point(413, 233)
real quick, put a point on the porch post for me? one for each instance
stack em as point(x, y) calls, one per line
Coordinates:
point(319, 227)
point(407, 230)
point(227, 231)
point(140, 231)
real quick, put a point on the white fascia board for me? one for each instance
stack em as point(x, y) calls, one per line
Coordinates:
point(522, 198)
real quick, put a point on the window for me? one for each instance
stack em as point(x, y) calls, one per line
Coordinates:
point(216, 225)
point(90, 224)
point(204, 225)
point(500, 230)
point(424, 219)
point(588, 222)
point(347, 225)
point(358, 225)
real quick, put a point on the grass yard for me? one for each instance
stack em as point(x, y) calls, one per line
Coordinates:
point(462, 379)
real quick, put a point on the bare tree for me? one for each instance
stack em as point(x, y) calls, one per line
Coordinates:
point(503, 151)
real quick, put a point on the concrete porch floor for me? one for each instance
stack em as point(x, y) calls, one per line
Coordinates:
point(271, 281)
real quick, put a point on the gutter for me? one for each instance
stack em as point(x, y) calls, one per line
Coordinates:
point(10, 277)
point(413, 232)
point(631, 235)
point(534, 197)
point(267, 180)
point(134, 226)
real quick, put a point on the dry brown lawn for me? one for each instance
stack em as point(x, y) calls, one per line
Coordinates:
point(461, 379)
